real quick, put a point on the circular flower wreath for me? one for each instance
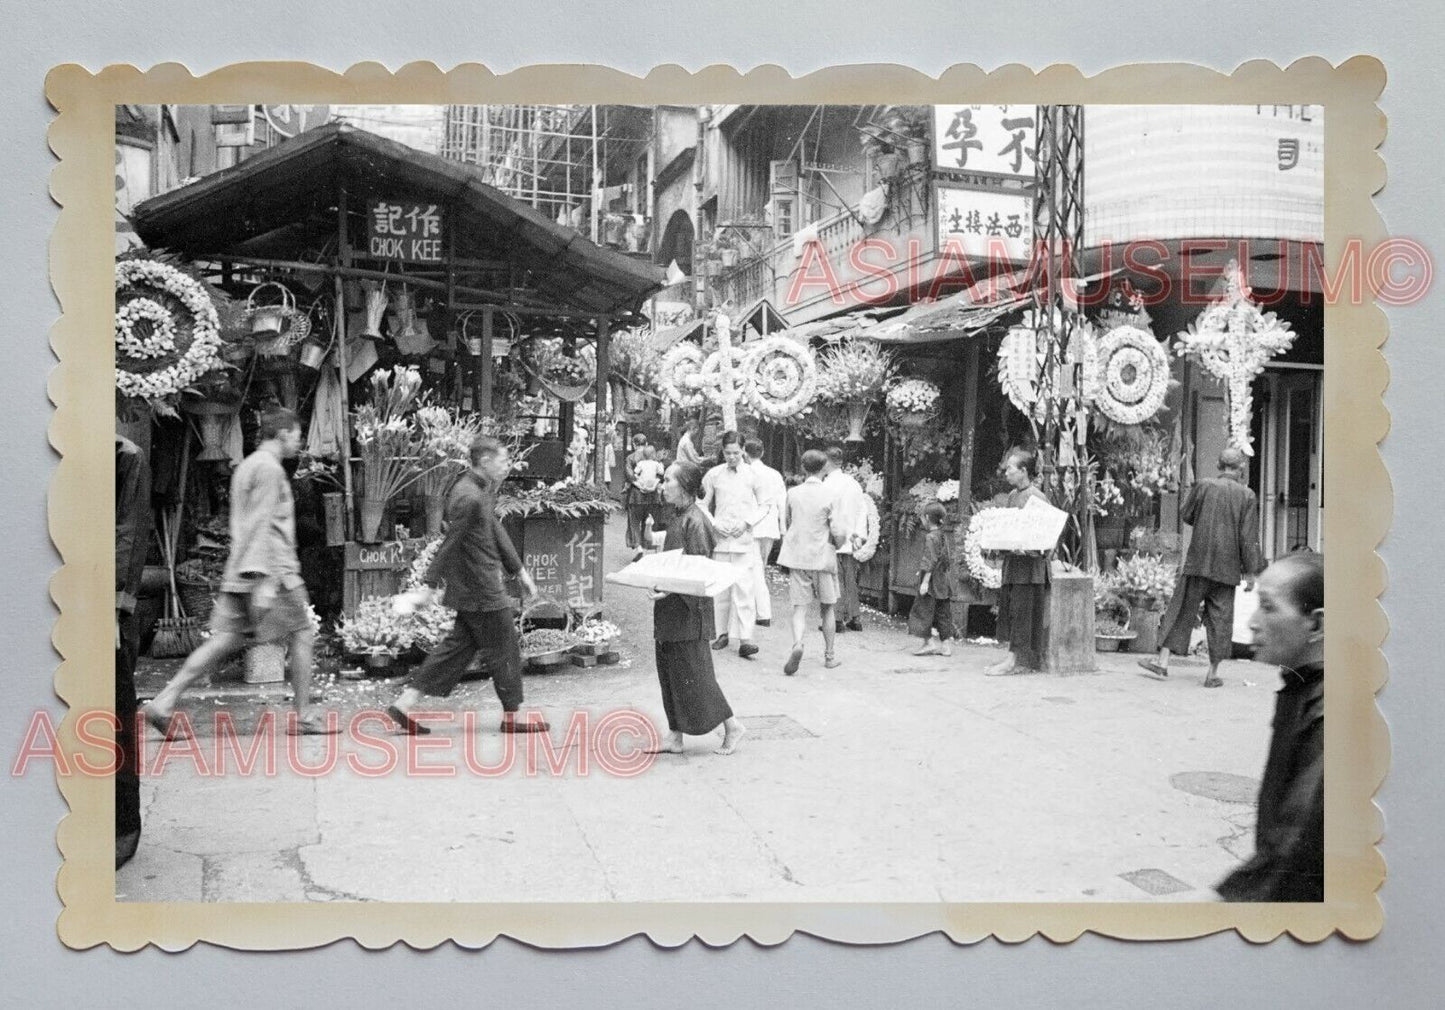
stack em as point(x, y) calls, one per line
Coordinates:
point(185, 329)
point(680, 375)
point(1133, 375)
point(987, 573)
point(782, 377)
point(162, 338)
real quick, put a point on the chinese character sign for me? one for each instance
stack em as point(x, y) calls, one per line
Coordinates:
point(565, 559)
point(986, 223)
point(992, 139)
point(404, 231)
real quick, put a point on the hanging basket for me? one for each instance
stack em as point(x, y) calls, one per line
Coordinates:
point(269, 320)
point(313, 353)
point(214, 416)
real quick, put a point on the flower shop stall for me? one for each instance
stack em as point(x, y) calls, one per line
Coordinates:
point(400, 305)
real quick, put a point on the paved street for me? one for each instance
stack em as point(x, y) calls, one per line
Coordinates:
point(891, 778)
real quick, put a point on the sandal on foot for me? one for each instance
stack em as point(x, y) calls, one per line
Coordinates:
point(1153, 670)
point(407, 724)
point(832, 662)
point(311, 726)
point(794, 658)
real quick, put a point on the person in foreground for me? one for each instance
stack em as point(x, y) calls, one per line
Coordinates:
point(1023, 614)
point(933, 606)
point(683, 627)
point(1289, 835)
point(470, 562)
point(132, 528)
point(813, 526)
point(262, 597)
point(1223, 547)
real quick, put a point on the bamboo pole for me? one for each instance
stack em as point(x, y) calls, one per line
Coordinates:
point(343, 246)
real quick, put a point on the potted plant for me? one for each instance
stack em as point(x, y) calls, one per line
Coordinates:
point(1145, 583)
point(1111, 618)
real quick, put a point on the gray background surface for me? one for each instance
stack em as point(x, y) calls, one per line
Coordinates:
point(1400, 968)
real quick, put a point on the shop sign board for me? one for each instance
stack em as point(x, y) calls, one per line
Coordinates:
point(410, 232)
point(986, 139)
point(565, 559)
point(991, 224)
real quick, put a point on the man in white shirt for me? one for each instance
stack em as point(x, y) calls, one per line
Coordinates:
point(849, 498)
point(773, 491)
point(731, 497)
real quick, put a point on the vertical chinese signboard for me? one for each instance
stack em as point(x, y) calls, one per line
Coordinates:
point(565, 559)
point(410, 232)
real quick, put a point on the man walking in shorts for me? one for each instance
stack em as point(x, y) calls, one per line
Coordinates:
point(814, 525)
point(262, 597)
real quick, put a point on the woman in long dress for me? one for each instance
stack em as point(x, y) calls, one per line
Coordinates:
point(683, 628)
point(1023, 598)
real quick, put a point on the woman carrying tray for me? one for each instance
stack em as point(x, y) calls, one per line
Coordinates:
point(684, 629)
point(1023, 613)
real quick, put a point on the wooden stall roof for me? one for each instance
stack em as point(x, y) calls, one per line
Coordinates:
point(281, 204)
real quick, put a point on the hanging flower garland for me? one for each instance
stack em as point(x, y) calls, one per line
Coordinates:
point(1019, 362)
point(987, 573)
point(1133, 375)
point(782, 377)
point(680, 375)
point(184, 331)
point(1233, 339)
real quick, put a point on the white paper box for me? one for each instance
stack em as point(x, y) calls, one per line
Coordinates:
point(676, 572)
point(1035, 527)
point(1246, 602)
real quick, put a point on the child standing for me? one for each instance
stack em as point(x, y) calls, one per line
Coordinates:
point(933, 606)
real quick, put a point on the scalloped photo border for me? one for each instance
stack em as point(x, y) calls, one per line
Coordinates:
point(1357, 516)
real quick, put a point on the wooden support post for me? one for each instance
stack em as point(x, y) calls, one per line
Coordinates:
point(343, 246)
point(970, 421)
point(484, 368)
point(603, 373)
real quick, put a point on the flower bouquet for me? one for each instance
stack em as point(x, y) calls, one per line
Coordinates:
point(911, 402)
point(444, 442)
point(387, 444)
point(852, 375)
point(1144, 582)
point(596, 636)
point(376, 632)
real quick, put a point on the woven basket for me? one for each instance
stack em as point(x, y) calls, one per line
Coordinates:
point(198, 598)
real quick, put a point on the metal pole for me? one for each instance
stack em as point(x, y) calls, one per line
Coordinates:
point(596, 181)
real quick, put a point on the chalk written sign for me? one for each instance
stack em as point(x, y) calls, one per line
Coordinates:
point(388, 556)
point(1035, 527)
point(411, 232)
point(565, 559)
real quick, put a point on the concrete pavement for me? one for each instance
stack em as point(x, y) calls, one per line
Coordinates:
point(891, 778)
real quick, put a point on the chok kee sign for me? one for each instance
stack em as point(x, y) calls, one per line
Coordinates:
point(404, 231)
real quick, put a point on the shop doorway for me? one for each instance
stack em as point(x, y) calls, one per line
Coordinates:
point(1291, 478)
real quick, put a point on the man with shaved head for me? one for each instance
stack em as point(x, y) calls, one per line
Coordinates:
point(1223, 549)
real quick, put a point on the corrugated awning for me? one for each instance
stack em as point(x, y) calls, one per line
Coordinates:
point(281, 204)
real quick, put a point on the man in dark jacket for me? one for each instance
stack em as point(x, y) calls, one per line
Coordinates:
point(1223, 549)
point(470, 563)
point(1289, 836)
point(132, 530)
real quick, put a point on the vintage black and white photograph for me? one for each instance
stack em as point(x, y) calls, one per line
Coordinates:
point(748, 504)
